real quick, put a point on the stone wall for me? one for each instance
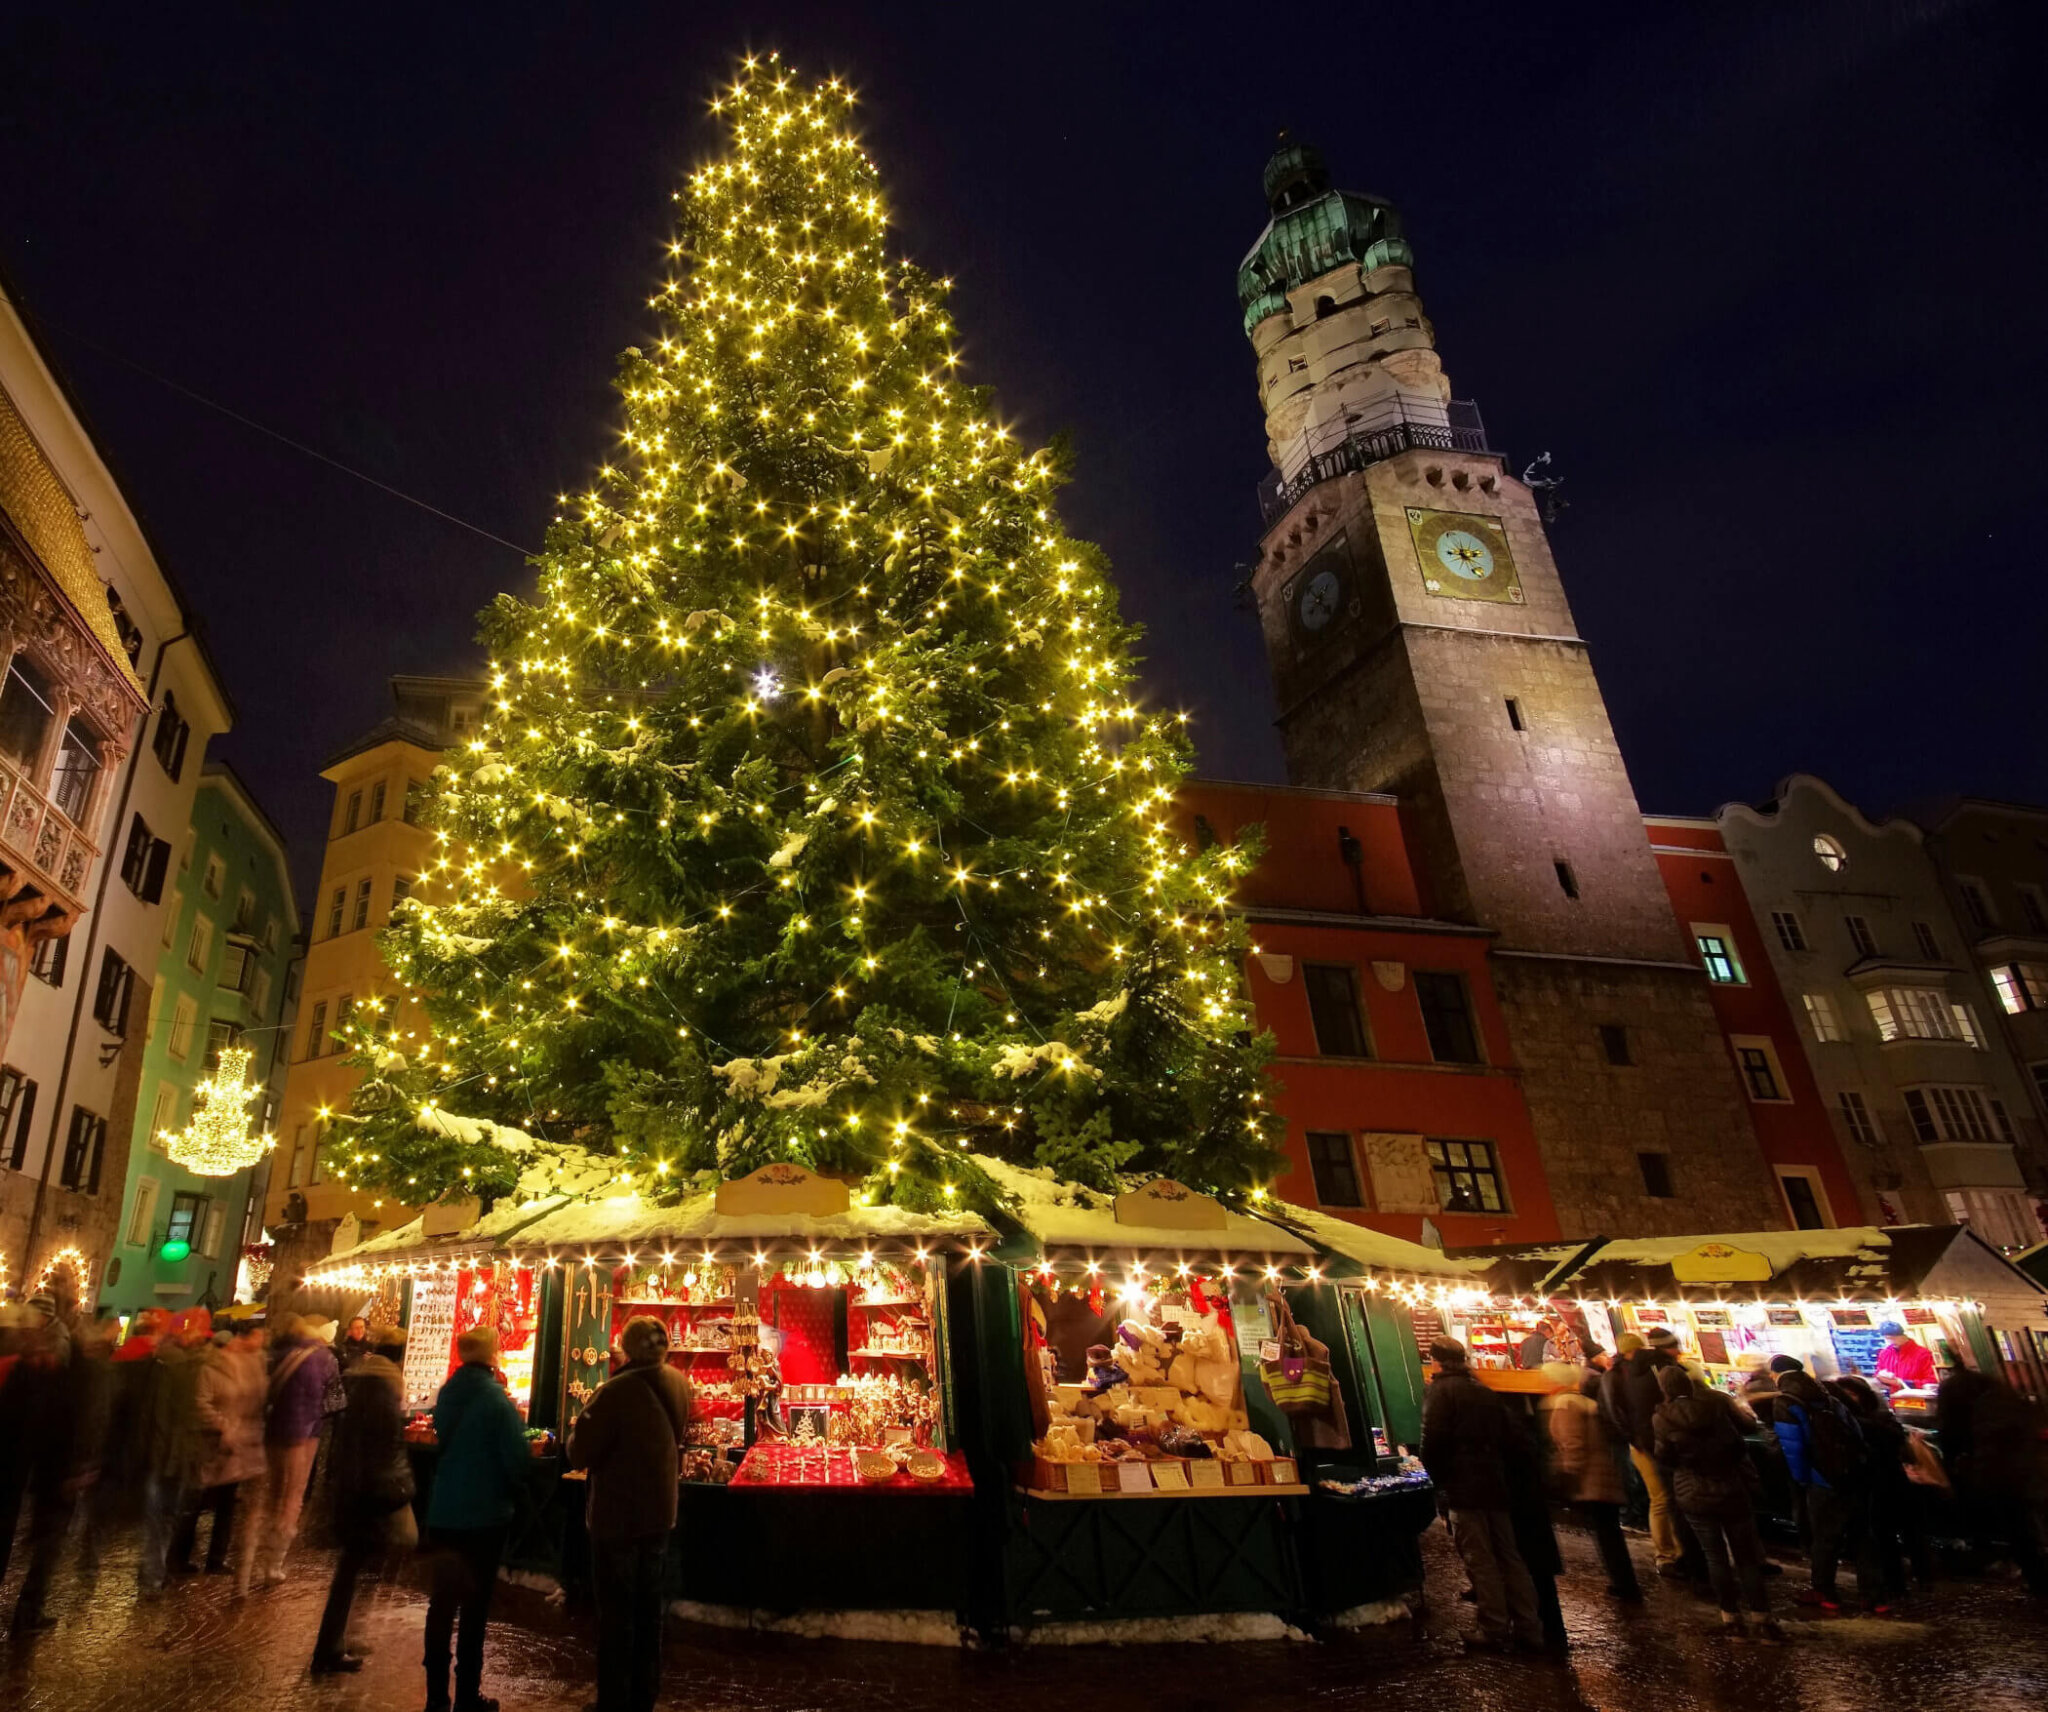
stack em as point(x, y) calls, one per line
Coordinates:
point(1680, 1098)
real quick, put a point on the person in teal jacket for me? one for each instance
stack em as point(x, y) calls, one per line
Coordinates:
point(478, 1476)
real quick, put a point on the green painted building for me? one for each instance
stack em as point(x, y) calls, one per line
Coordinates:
point(226, 973)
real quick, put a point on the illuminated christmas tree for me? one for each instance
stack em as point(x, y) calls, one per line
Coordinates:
point(817, 816)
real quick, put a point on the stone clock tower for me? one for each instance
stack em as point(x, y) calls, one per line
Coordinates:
point(1420, 643)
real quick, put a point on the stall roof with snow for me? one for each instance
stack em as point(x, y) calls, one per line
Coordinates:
point(1152, 1218)
point(1367, 1250)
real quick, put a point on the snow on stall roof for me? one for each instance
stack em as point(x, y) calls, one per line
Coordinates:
point(1373, 1248)
point(1067, 1215)
point(1784, 1249)
point(631, 1218)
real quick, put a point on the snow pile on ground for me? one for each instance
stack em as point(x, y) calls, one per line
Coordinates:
point(1369, 1615)
point(903, 1628)
point(1163, 1631)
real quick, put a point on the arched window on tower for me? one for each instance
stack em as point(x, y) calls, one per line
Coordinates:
point(1325, 306)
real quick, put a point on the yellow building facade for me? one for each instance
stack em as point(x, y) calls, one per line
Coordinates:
point(377, 849)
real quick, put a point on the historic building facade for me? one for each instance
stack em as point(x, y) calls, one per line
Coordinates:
point(1899, 1021)
point(376, 852)
point(1394, 1068)
point(1420, 645)
point(224, 978)
point(107, 706)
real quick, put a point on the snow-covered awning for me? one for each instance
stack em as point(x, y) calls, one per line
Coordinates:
point(1372, 1251)
point(621, 1226)
point(1152, 1222)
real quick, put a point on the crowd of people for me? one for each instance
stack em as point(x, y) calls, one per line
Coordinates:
point(1647, 1431)
point(179, 1427)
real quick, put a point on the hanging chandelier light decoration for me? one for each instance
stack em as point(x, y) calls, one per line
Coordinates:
point(217, 1142)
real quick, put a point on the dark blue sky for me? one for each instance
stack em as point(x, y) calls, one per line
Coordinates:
point(1766, 281)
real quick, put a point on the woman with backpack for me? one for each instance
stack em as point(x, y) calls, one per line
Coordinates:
point(1699, 1438)
point(1825, 1454)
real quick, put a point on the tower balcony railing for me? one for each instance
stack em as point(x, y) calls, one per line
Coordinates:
point(1462, 431)
point(39, 844)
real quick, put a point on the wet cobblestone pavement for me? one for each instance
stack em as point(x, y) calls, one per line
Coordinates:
point(1970, 1647)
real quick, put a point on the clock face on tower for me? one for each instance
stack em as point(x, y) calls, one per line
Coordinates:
point(1321, 595)
point(1463, 555)
point(1316, 604)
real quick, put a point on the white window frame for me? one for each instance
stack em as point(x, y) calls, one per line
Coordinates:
point(163, 1113)
point(1721, 931)
point(1913, 1013)
point(216, 875)
point(184, 1020)
point(1791, 931)
point(1738, 1044)
point(1958, 1112)
point(142, 1216)
point(2020, 986)
point(1858, 1119)
point(1824, 1019)
point(199, 948)
point(211, 1227)
point(1812, 1179)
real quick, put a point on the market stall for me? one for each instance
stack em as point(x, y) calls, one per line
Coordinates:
point(1132, 1461)
point(821, 1469)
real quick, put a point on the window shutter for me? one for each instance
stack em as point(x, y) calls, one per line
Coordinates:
point(23, 1118)
point(95, 1137)
point(153, 875)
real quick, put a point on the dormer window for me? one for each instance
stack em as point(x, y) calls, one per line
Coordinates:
point(1325, 306)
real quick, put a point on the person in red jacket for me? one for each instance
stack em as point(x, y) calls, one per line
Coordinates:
point(1904, 1363)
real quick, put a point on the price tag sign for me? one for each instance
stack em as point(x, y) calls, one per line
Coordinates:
point(1134, 1476)
point(1284, 1473)
point(1084, 1477)
point(1205, 1474)
point(1170, 1476)
point(1270, 1350)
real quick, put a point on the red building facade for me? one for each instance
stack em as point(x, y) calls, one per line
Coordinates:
point(1394, 1070)
point(1766, 1052)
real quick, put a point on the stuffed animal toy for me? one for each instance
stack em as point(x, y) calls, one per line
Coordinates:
point(1103, 1371)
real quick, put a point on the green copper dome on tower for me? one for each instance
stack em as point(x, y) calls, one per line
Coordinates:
point(1313, 229)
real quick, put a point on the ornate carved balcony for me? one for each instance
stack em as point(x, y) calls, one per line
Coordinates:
point(1462, 432)
point(40, 847)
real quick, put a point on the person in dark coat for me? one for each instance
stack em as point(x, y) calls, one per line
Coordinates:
point(45, 1390)
point(1991, 1443)
point(353, 1344)
point(1465, 1447)
point(1632, 1397)
point(481, 1471)
point(1529, 1519)
point(1892, 1509)
point(371, 1482)
point(1699, 1438)
point(1824, 1453)
point(629, 1439)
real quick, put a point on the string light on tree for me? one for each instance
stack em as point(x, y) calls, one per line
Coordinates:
point(218, 1142)
point(817, 794)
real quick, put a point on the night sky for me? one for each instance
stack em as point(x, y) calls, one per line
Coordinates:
point(1767, 282)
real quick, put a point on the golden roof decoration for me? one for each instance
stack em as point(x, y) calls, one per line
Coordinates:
point(41, 511)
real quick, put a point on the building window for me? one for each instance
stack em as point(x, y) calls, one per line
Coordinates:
point(352, 816)
point(2021, 987)
point(171, 734)
point(237, 966)
point(78, 765)
point(1614, 1042)
point(1567, 880)
point(1757, 1059)
point(210, 1228)
point(47, 965)
point(344, 1009)
point(1913, 1013)
point(17, 1112)
point(199, 948)
point(2038, 1070)
point(183, 1020)
point(362, 915)
point(1447, 1016)
point(1976, 902)
point(1858, 1119)
point(220, 1035)
point(2000, 1217)
point(144, 860)
point(1823, 1019)
point(25, 714)
point(1923, 937)
point(1656, 1170)
point(110, 998)
point(336, 906)
point(183, 1225)
point(259, 992)
point(1830, 852)
point(1967, 1026)
point(1804, 1199)
point(2033, 907)
point(163, 1117)
point(401, 889)
point(1861, 940)
point(1790, 934)
point(316, 1031)
point(377, 801)
point(1954, 1113)
point(84, 1145)
point(1717, 952)
point(143, 1217)
point(1334, 1168)
point(1467, 1176)
point(296, 1174)
point(1515, 715)
point(1333, 1008)
point(216, 874)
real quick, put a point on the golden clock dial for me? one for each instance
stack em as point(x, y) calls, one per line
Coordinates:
point(1464, 555)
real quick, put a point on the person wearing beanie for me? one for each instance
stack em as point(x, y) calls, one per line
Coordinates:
point(1902, 1364)
point(1466, 1446)
point(629, 1437)
point(482, 1469)
point(1633, 1398)
point(1787, 1364)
